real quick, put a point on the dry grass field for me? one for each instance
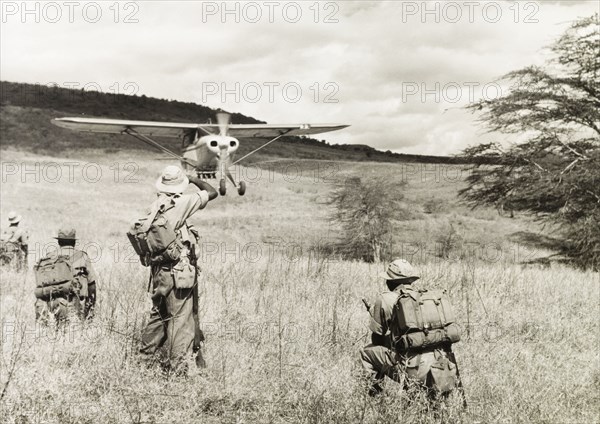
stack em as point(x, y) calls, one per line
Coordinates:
point(284, 323)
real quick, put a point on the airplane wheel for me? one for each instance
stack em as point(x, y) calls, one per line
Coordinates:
point(242, 188)
point(222, 188)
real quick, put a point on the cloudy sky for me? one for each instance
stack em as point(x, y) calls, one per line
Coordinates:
point(398, 72)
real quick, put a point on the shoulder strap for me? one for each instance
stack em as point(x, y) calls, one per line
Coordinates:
point(168, 202)
point(150, 219)
point(162, 204)
point(410, 292)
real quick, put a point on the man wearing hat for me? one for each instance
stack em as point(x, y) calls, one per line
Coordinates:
point(173, 326)
point(81, 299)
point(380, 358)
point(18, 237)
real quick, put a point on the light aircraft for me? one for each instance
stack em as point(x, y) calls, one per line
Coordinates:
point(206, 149)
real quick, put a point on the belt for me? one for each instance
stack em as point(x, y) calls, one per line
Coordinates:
point(419, 351)
point(168, 266)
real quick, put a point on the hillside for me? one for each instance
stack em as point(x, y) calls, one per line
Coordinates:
point(26, 111)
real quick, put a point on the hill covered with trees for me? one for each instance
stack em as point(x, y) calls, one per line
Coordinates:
point(28, 108)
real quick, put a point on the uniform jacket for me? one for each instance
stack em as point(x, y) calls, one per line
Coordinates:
point(14, 234)
point(185, 205)
point(381, 312)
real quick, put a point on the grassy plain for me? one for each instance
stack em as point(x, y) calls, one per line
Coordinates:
point(284, 323)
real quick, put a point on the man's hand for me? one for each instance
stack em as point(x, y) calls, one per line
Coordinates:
point(203, 185)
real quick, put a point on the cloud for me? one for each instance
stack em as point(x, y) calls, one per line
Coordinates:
point(361, 70)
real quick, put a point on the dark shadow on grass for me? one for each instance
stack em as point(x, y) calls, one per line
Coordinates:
point(537, 241)
point(541, 241)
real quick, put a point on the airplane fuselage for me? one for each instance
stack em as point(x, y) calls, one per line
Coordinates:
point(207, 150)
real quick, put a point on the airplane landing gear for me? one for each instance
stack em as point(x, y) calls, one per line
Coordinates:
point(226, 175)
point(242, 188)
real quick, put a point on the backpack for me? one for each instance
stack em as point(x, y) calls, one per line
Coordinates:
point(9, 253)
point(8, 247)
point(423, 319)
point(53, 277)
point(154, 238)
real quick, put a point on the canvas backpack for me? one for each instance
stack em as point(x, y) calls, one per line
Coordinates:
point(9, 253)
point(154, 238)
point(53, 277)
point(423, 319)
point(8, 247)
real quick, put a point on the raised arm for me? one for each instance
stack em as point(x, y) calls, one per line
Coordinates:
point(203, 185)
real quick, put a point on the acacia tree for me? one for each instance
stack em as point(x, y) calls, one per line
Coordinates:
point(367, 210)
point(555, 172)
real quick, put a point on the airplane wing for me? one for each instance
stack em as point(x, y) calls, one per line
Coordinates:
point(270, 131)
point(117, 126)
point(173, 129)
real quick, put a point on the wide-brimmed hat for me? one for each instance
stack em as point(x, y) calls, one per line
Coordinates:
point(66, 234)
point(13, 217)
point(400, 269)
point(172, 180)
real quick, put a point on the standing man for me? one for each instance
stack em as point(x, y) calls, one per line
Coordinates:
point(395, 351)
point(66, 282)
point(18, 238)
point(173, 322)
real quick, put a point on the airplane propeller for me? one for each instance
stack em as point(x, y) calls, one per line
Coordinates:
point(223, 120)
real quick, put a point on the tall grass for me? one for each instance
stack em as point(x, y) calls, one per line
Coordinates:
point(282, 346)
point(284, 330)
